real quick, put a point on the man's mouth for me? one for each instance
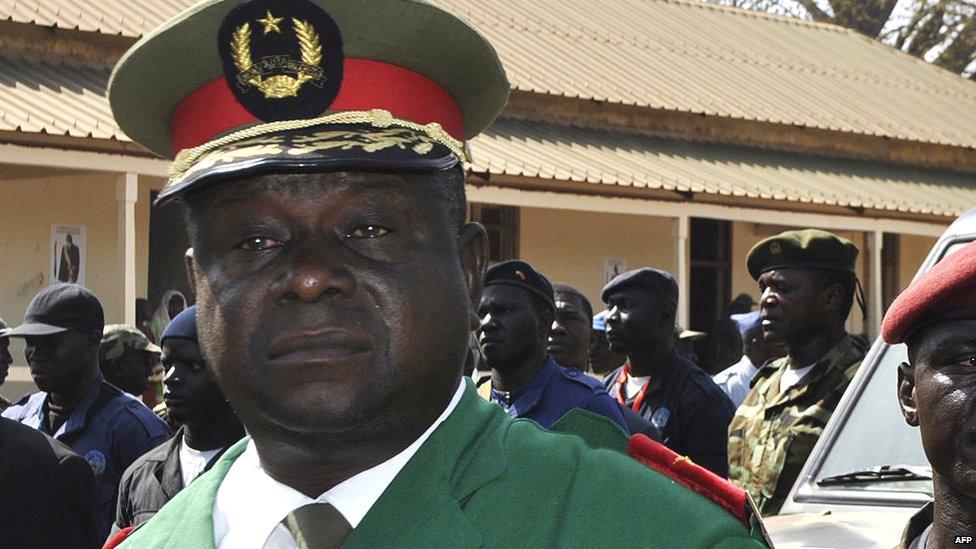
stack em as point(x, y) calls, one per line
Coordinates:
point(324, 347)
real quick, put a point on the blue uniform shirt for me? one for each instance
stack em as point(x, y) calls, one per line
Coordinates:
point(557, 390)
point(109, 428)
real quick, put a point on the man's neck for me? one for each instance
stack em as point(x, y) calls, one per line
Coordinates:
point(644, 365)
point(954, 514)
point(814, 347)
point(314, 463)
point(517, 377)
point(220, 429)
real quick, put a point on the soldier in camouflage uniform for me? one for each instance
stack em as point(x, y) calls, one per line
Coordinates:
point(808, 284)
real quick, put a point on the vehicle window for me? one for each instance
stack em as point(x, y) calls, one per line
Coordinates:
point(876, 434)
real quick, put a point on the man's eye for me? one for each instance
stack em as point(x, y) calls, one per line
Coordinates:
point(970, 362)
point(368, 231)
point(259, 243)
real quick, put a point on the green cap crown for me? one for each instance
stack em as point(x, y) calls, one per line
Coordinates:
point(117, 338)
point(806, 249)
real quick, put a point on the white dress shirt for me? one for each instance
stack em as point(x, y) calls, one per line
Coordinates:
point(250, 505)
point(735, 380)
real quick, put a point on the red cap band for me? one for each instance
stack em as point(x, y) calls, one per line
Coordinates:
point(366, 85)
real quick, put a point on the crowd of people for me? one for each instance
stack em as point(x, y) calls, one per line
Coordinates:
point(355, 373)
point(540, 351)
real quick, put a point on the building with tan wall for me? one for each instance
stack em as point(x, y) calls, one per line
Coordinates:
point(639, 132)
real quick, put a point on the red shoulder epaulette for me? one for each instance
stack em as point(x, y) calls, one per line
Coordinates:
point(663, 460)
point(118, 538)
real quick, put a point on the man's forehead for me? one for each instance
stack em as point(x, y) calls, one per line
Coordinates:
point(942, 336)
point(286, 184)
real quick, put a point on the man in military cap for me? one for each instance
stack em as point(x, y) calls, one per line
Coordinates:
point(517, 310)
point(126, 358)
point(936, 317)
point(320, 167)
point(808, 286)
point(63, 328)
point(668, 390)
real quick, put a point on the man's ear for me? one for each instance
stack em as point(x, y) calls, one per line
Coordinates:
point(832, 297)
point(190, 262)
point(906, 394)
point(473, 254)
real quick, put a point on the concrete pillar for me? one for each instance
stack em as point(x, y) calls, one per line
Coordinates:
point(127, 193)
point(683, 274)
point(874, 288)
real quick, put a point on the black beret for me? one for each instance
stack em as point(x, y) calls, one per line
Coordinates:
point(656, 281)
point(806, 249)
point(521, 274)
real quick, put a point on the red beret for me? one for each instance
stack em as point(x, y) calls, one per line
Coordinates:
point(947, 291)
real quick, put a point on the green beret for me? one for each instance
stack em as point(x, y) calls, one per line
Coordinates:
point(118, 338)
point(806, 249)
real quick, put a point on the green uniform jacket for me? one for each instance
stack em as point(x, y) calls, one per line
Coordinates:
point(772, 434)
point(483, 479)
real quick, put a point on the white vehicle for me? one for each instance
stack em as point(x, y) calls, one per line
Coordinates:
point(868, 474)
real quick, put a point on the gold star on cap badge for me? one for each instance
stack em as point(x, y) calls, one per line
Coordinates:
point(270, 23)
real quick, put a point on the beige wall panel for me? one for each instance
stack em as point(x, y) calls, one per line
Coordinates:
point(572, 247)
point(28, 209)
point(913, 251)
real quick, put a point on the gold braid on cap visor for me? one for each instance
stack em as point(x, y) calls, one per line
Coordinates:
point(189, 160)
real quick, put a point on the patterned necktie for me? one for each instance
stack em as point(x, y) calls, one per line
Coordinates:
point(317, 526)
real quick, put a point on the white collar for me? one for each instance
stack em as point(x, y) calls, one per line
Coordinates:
point(250, 504)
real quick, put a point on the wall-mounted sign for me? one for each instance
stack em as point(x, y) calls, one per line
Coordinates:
point(68, 254)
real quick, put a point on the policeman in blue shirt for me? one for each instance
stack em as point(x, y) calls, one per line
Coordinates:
point(516, 310)
point(63, 329)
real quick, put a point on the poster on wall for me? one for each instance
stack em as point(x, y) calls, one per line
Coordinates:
point(612, 268)
point(68, 254)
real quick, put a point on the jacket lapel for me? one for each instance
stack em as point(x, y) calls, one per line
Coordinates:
point(422, 506)
point(168, 472)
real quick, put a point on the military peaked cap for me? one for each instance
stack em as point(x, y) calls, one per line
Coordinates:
point(241, 87)
point(946, 292)
point(806, 249)
point(522, 275)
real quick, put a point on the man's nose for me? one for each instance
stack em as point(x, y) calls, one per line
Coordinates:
point(316, 271)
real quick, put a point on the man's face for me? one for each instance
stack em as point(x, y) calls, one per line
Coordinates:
point(941, 399)
point(569, 340)
point(602, 359)
point(175, 306)
point(510, 327)
point(135, 367)
point(58, 362)
point(5, 359)
point(191, 392)
point(790, 305)
point(333, 302)
point(638, 321)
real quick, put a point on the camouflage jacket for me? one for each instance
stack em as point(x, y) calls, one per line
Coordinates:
point(772, 434)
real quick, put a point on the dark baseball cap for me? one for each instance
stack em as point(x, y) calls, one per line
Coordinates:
point(59, 308)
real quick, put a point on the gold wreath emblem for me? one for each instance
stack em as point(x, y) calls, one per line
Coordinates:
point(296, 74)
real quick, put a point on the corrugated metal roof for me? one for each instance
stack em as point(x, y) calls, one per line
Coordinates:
point(602, 158)
point(69, 99)
point(55, 98)
point(669, 54)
